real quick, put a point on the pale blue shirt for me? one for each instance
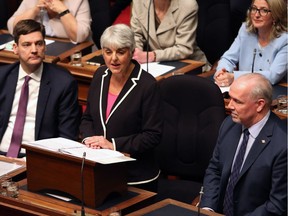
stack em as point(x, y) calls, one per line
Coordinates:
point(271, 60)
point(254, 131)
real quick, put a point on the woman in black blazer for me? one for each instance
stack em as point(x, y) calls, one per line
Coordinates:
point(123, 108)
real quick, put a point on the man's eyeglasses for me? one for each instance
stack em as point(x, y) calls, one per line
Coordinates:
point(261, 11)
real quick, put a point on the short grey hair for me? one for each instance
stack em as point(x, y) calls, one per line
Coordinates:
point(118, 36)
point(262, 87)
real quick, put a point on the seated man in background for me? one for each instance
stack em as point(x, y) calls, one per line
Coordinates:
point(61, 18)
point(172, 30)
point(261, 44)
point(37, 100)
point(247, 174)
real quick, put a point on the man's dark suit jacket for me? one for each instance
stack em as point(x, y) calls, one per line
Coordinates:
point(57, 112)
point(134, 123)
point(262, 185)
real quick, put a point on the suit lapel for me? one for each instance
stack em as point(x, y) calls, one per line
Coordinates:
point(11, 88)
point(128, 87)
point(104, 98)
point(261, 142)
point(168, 22)
point(231, 149)
point(43, 97)
point(7, 92)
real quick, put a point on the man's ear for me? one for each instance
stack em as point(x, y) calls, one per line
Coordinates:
point(15, 48)
point(261, 104)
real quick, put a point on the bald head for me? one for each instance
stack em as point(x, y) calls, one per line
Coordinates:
point(256, 86)
point(250, 99)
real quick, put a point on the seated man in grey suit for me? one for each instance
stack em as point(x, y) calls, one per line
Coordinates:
point(256, 183)
point(48, 105)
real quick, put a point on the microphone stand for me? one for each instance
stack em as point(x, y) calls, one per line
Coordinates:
point(82, 185)
point(200, 198)
point(42, 11)
point(148, 35)
point(254, 54)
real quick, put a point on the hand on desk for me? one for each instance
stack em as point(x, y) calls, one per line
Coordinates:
point(98, 142)
point(223, 78)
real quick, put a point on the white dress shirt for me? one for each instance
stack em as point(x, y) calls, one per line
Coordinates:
point(29, 127)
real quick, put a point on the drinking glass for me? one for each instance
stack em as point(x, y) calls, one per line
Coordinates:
point(282, 101)
point(4, 183)
point(76, 58)
point(13, 190)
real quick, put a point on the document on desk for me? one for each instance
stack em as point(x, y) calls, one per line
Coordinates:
point(7, 167)
point(224, 89)
point(9, 45)
point(156, 68)
point(70, 147)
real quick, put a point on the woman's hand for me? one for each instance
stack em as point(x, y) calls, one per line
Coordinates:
point(223, 78)
point(98, 142)
point(141, 56)
point(56, 6)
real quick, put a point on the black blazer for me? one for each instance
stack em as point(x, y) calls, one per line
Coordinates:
point(57, 113)
point(262, 185)
point(135, 121)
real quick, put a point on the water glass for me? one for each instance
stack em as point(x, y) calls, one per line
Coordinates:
point(76, 59)
point(4, 183)
point(282, 101)
point(13, 190)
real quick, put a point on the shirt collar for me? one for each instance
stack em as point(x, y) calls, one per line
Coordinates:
point(36, 75)
point(255, 129)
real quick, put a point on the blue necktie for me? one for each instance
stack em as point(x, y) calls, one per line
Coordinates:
point(17, 134)
point(228, 199)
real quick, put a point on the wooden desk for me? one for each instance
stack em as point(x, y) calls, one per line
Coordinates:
point(170, 207)
point(85, 74)
point(68, 48)
point(29, 203)
point(16, 172)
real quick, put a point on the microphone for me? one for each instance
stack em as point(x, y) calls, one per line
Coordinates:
point(254, 54)
point(148, 34)
point(200, 198)
point(82, 185)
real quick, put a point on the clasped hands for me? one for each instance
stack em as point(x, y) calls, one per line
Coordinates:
point(52, 6)
point(98, 142)
point(223, 78)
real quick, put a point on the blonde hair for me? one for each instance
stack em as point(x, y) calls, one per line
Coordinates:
point(279, 15)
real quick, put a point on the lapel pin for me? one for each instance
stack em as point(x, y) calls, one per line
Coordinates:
point(263, 141)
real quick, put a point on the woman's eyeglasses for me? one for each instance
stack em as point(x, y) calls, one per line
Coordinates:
point(261, 11)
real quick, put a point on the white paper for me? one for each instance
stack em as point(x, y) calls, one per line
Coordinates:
point(9, 45)
point(156, 68)
point(6, 167)
point(2, 46)
point(59, 197)
point(55, 144)
point(66, 146)
point(225, 89)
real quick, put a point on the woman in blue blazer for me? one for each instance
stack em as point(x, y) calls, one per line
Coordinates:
point(261, 44)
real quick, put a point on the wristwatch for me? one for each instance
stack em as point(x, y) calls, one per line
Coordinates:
point(64, 13)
